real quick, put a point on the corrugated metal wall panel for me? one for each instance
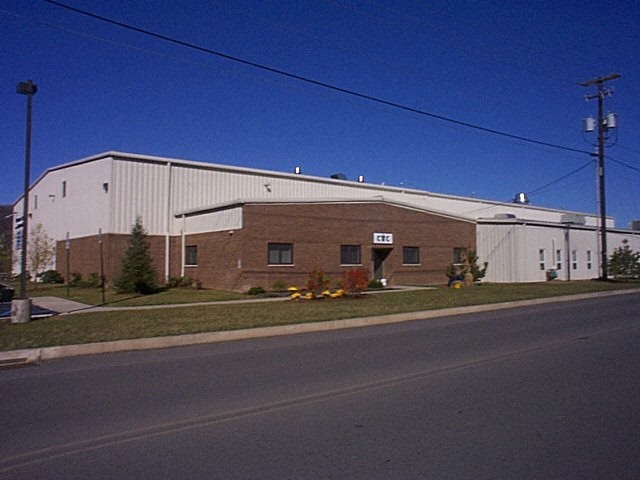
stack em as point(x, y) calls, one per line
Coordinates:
point(64, 197)
point(140, 190)
point(140, 186)
point(513, 252)
point(536, 239)
point(195, 187)
point(497, 244)
point(72, 200)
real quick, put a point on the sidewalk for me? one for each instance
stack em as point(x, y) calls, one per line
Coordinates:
point(11, 359)
point(58, 305)
point(63, 306)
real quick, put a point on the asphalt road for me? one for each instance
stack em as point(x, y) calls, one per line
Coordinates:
point(541, 392)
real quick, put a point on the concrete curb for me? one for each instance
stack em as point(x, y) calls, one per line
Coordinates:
point(17, 357)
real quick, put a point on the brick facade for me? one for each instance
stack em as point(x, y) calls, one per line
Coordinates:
point(238, 260)
point(84, 255)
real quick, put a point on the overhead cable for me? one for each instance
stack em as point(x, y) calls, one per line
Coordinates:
point(314, 82)
point(532, 192)
point(623, 164)
point(590, 162)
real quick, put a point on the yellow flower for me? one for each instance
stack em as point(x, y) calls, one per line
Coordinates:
point(309, 296)
point(295, 296)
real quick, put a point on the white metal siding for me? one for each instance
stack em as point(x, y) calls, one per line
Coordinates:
point(497, 244)
point(139, 190)
point(207, 185)
point(83, 210)
point(155, 189)
point(512, 251)
point(69, 200)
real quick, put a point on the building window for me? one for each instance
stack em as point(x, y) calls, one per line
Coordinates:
point(588, 259)
point(558, 259)
point(410, 255)
point(542, 258)
point(574, 259)
point(280, 254)
point(64, 189)
point(35, 202)
point(350, 255)
point(19, 239)
point(191, 255)
point(459, 254)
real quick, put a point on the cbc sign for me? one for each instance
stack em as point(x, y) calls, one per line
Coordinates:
point(383, 238)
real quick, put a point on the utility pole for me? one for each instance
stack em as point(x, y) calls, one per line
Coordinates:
point(604, 124)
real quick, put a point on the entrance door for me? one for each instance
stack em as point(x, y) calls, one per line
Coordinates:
point(379, 255)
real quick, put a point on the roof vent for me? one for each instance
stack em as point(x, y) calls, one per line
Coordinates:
point(339, 176)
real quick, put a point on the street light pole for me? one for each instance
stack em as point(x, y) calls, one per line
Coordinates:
point(21, 307)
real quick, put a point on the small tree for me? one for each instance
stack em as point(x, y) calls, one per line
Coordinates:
point(5, 247)
point(624, 262)
point(137, 273)
point(468, 267)
point(318, 282)
point(475, 270)
point(355, 281)
point(40, 250)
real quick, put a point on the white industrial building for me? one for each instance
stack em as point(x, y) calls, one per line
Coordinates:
point(181, 202)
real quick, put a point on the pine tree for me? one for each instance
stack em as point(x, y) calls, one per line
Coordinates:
point(137, 273)
point(624, 262)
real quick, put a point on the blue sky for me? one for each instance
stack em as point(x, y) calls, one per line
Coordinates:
point(507, 66)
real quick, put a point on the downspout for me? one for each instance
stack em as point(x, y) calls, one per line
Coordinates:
point(167, 239)
point(568, 247)
point(524, 272)
point(182, 230)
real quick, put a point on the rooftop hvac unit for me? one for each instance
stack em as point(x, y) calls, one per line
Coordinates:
point(521, 198)
point(634, 225)
point(573, 218)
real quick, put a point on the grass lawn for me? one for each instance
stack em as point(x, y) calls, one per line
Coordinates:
point(126, 324)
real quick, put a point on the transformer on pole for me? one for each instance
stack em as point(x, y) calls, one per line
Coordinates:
point(604, 124)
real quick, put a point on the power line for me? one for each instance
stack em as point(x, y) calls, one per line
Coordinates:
point(372, 59)
point(535, 190)
point(314, 82)
point(590, 162)
point(629, 149)
point(623, 164)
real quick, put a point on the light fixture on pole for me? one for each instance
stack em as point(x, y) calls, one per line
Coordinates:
point(604, 124)
point(21, 306)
